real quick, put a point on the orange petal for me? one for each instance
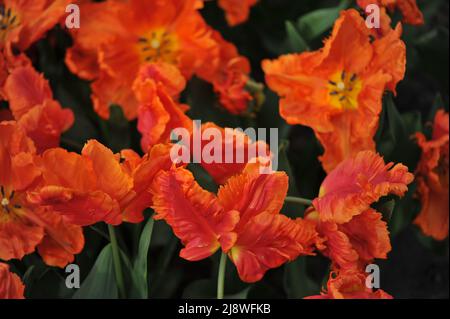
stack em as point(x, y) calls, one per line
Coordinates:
point(368, 235)
point(11, 286)
point(358, 182)
point(337, 246)
point(193, 213)
point(111, 179)
point(252, 193)
point(433, 179)
point(143, 174)
point(350, 285)
point(236, 11)
point(235, 148)
point(26, 88)
point(410, 11)
point(61, 242)
point(18, 235)
point(268, 241)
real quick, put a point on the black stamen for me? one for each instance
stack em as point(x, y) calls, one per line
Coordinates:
point(142, 40)
point(332, 82)
point(343, 75)
point(11, 195)
point(342, 98)
point(2, 191)
point(17, 206)
point(353, 78)
point(333, 93)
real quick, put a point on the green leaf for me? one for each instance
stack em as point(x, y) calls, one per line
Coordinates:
point(386, 209)
point(396, 125)
point(295, 41)
point(315, 23)
point(297, 283)
point(101, 281)
point(140, 264)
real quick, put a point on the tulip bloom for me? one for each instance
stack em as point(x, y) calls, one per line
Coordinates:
point(433, 179)
point(350, 285)
point(408, 8)
point(33, 107)
point(11, 287)
point(24, 22)
point(354, 233)
point(337, 91)
point(25, 226)
point(99, 185)
point(117, 37)
point(243, 219)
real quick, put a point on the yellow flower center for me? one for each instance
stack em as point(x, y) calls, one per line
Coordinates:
point(8, 21)
point(343, 90)
point(158, 45)
point(7, 203)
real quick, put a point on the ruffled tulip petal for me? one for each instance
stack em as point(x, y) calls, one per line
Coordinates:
point(193, 213)
point(358, 182)
point(268, 242)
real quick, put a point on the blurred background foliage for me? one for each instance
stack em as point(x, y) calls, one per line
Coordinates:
point(417, 266)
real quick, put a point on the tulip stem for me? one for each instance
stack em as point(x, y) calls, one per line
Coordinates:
point(117, 262)
point(298, 200)
point(221, 276)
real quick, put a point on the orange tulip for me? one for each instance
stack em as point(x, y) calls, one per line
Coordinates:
point(25, 226)
point(24, 22)
point(243, 219)
point(433, 179)
point(11, 287)
point(337, 91)
point(31, 102)
point(99, 185)
point(117, 37)
point(354, 233)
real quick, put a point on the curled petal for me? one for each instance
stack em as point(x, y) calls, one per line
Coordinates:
point(268, 242)
point(252, 193)
point(111, 178)
point(368, 235)
point(62, 240)
point(193, 213)
point(350, 284)
point(337, 246)
point(358, 182)
point(78, 207)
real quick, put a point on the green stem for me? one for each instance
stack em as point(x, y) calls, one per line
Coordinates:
point(117, 261)
point(298, 200)
point(221, 276)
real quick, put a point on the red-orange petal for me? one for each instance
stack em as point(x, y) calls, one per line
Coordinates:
point(193, 213)
point(268, 241)
point(358, 182)
point(11, 286)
